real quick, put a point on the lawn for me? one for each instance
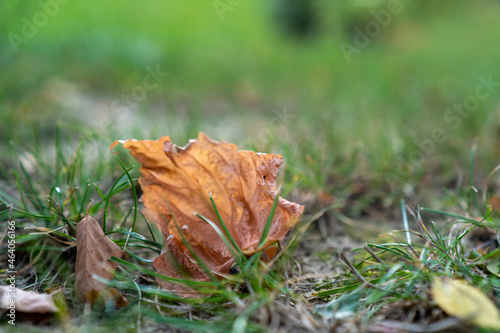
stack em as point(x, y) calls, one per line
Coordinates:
point(386, 114)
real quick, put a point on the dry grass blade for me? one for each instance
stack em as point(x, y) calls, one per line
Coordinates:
point(353, 270)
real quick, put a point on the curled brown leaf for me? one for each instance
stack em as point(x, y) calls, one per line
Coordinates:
point(176, 182)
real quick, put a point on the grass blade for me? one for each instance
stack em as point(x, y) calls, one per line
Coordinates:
point(109, 195)
point(237, 255)
point(133, 190)
point(269, 221)
point(182, 282)
point(226, 230)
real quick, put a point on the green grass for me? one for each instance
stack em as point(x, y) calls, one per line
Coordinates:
point(46, 242)
point(349, 134)
point(380, 275)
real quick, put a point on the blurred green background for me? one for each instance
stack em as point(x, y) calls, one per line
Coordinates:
point(267, 75)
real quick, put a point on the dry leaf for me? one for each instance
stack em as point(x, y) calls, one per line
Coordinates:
point(25, 301)
point(93, 252)
point(465, 302)
point(242, 183)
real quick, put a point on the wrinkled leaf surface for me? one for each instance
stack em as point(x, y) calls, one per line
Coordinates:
point(177, 181)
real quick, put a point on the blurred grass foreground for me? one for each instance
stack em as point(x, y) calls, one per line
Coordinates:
point(388, 90)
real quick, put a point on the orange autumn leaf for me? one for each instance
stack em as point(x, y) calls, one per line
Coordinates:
point(242, 183)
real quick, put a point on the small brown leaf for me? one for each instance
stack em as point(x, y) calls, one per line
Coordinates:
point(93, 252)
point(242, 183)
point(25, 301)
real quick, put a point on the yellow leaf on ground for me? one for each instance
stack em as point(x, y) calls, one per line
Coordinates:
point(458, 299)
